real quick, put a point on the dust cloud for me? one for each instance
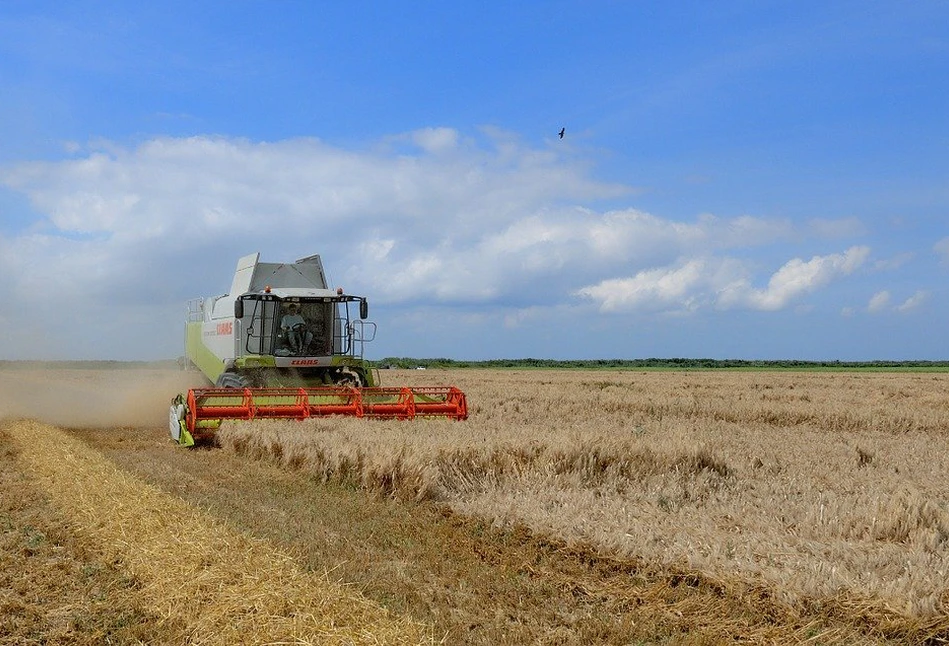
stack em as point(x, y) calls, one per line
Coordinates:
point(93, 398)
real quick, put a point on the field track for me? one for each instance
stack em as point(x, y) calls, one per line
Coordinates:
point(468, 579)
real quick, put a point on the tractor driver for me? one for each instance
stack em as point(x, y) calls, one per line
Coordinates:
point(294, 326)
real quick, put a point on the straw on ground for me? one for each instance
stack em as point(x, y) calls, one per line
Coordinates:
point(227, 587)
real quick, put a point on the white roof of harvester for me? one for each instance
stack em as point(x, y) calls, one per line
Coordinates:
point(304, 277)
point(297, 292)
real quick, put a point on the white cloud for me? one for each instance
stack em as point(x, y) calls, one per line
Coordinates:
point(551, 252)
point(686, 286)
point(656, 287)
point(913, 301)
point(436, 139)
point(942, 248)
point(377, 248)
point(527, 233)
point(622, 235)
point(799, 277)
point(879, 301)
point(721, 282)
point(631, 234)
point(895, 262)
point(425, 218)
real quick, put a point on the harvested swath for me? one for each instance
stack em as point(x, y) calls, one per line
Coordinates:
point(828, 488)
point(51, 592)
point(227, 587)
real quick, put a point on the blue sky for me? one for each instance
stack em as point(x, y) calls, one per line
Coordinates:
point(761, 180)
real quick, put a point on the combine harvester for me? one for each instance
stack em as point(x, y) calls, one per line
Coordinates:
point(282, 345)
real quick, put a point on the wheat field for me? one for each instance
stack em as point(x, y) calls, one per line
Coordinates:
point(572, 507)
point(825, 487)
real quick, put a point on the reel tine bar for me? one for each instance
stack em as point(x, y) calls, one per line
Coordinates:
point(440, 401)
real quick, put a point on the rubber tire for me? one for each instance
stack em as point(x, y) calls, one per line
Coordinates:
point(348, 377)
point(232, 380)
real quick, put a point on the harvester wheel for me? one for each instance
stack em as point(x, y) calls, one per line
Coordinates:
point(349, 377)
point(232, 380)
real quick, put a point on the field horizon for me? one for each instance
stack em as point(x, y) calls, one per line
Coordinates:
point(407, 363)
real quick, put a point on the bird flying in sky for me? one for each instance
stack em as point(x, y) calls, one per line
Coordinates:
point(561, 132)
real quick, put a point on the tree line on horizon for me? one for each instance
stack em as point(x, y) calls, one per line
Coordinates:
point(675, 362)
point(443, 362)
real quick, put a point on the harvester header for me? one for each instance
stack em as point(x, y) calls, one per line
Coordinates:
point(282, 344)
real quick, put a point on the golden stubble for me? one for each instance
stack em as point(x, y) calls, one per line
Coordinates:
point(191, 570)
point(819, 484)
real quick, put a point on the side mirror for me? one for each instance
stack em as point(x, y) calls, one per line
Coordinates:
point(239, 308)
point(363, 309)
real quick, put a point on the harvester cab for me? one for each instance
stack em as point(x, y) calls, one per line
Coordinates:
point(301, 330)
point(282, 344)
